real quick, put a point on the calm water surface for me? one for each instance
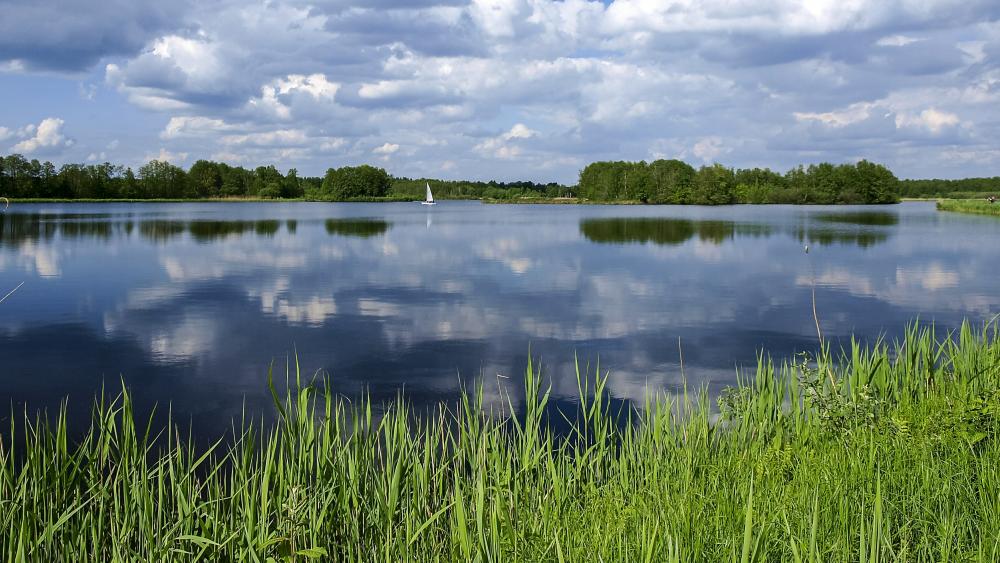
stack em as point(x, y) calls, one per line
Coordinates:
point(189, 303)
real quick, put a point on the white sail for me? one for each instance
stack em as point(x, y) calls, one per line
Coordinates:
point(430, 196)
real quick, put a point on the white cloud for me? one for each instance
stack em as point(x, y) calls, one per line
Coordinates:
point(102, 156)
point(12, 66)
point(230, 157)
point(770, 83)
point(193, 126)
point(333, 144)
point(852, 114)
point(520, 131)
point(5, 133)
point(316, 85)
point(386, 149)
point(783, 16)
point(280, 137)
point(708, 148)
point(504, 146)
point(199, 59)
point(277, 98)
point(46, 137)
point(87, 91)
point(895, 41)
point(167, 156)
point(931, 119)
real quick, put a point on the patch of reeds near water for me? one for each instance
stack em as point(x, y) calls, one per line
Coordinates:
point(978, 206)
point(887, 453)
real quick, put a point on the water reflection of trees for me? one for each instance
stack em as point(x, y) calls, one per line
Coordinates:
point(672, 231)
point(819, 236)
point(160, 231)
point(208, 230)
point(666, 231)
point(867, 218)
point(17, 228)
point(357, 227)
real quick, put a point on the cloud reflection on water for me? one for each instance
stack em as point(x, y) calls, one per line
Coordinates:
point(381, 298)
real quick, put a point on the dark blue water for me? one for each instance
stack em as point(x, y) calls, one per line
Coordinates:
point(190, 303)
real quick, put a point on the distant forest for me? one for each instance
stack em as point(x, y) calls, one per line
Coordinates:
point(23, 178)
point(964, 188)
point(675, 181)
point(660, 181)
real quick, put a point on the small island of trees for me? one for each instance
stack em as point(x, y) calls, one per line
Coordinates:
point(659, 182)
point(676, 182)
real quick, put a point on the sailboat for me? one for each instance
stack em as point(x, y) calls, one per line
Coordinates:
point(430, 197)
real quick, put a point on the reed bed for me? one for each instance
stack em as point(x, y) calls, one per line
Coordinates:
point(976, 206)
point(879, 453)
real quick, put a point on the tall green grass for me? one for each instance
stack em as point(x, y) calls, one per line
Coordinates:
point(977, 206)
point(889, 452)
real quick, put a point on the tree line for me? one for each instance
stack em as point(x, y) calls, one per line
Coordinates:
point(466, 189)
point(963, 188)
point(676, 182)
point(205, 179)
point(660, 181)
point(157, 179)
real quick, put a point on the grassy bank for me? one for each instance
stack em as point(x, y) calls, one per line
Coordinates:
point(890, 453)
point(978, 207)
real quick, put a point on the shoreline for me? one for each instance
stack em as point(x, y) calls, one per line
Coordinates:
point(897, 443)
point(969, 207)
point(407, 199)
point(487, 201)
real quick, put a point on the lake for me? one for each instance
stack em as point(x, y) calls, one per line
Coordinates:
point(190, 303)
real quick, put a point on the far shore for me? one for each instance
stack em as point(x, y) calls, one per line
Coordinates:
point(406, 199)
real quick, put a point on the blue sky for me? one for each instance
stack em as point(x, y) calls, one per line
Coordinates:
point(504, 89)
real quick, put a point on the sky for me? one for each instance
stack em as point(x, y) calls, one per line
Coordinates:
point(504, 89)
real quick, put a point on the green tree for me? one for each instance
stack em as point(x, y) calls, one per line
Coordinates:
point(160, 179)
point(130, 185)
point(351, 182)
point(291, 187)
point(266, 182)
point(204, 179)
point(713, 185)
point(876, 183)
point(671, 181)
point(235, 180)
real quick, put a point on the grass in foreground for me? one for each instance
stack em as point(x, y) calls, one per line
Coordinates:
point(890, 453)
point(978, 207)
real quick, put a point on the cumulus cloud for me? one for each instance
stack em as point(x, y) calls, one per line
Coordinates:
point(386, 149)
point(931, 119)
point(193, 126)
point(852, 114)
point(73, 35)
point(454, 83)
point(44, 138)
point(506, 145)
